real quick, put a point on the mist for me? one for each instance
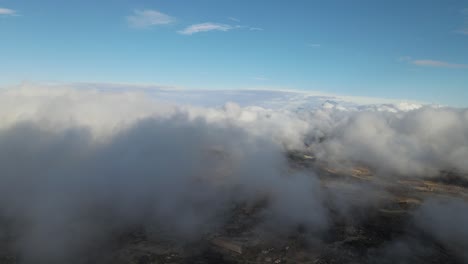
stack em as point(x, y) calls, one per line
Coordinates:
point(78, 166)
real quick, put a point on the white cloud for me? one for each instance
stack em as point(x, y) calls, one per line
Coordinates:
point(7, 12)
point(436, 63)
point(147, 18)
point(178, 169)
point(314, 45)
point(234, 19)
point(205, 27)
point(255, 29)
point(153, 159)
point(432, 63)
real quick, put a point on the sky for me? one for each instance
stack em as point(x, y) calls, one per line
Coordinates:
point(412, 50)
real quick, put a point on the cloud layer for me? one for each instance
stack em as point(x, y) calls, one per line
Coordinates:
point(78, 166)
point(171, 169)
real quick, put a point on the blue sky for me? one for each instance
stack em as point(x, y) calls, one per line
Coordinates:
point(415, 50)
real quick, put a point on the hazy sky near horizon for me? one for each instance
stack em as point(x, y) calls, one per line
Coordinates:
point(415, 50)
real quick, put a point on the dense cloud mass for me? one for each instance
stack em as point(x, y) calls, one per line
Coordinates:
point(65, 187)
point(79, 165)
point(416, 143)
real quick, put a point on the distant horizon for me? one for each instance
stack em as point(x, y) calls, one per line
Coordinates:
point(357, 99)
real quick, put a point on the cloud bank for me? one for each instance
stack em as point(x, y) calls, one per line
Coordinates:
point(78, 166)
point(74, 171)
point(416, 143)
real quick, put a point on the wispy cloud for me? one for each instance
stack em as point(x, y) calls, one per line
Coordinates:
point(205, 27)
point(7, 12)
point(244, 27)
point(255, 29)
point(314, 45)
point(147, 18)
point(436, 63)
point(405, 59)
point(433, 63)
